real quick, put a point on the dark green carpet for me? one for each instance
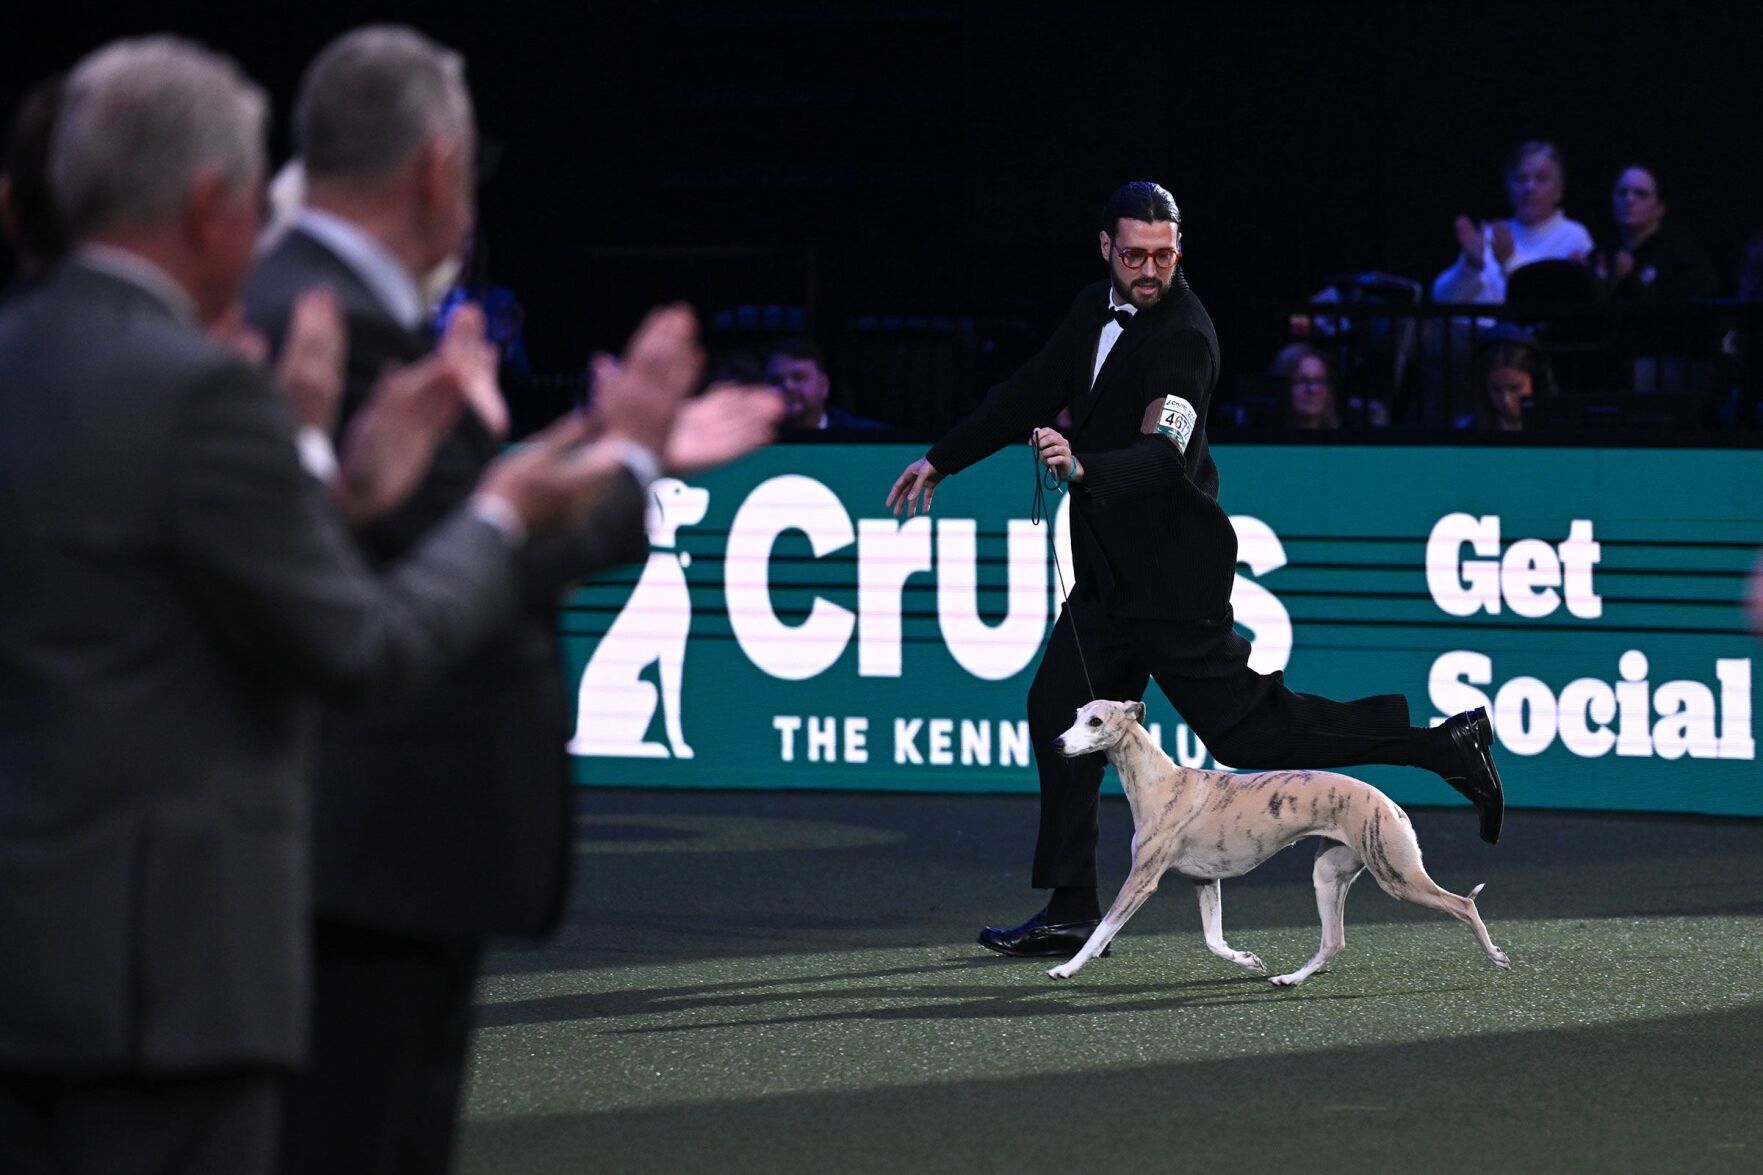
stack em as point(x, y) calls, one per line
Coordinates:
point(784, 982)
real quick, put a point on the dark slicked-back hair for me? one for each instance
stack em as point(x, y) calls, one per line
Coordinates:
point(1139, 200)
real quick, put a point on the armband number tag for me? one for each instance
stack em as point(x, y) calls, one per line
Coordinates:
point(1176, 421)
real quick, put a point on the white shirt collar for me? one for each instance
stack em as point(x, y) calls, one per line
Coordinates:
point(383, 274)
point(137, 271)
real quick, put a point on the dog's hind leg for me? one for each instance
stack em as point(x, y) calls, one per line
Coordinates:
point(1211, 898)
point(1394, 861)
point(1336, 867)
point(1141, 883)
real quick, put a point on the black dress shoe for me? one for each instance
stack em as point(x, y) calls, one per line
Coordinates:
point(1035, 939)
point(1473, 772)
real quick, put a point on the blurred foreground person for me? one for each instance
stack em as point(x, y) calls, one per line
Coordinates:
point(445, 817)
point(175, 586)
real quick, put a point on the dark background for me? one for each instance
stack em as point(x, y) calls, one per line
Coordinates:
point(934, 168)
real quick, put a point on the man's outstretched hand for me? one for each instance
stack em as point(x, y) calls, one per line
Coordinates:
point(918, 478)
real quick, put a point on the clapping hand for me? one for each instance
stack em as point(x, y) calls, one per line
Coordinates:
point(1502, 243)
point(728, 421)
point(474, 358)
point(1471, 240)
point(390, 442)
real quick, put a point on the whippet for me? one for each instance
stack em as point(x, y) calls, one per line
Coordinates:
point(1208, 825)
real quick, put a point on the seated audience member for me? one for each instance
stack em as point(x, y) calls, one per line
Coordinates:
point(1537, 231)
point(1653, 262)
point(797, 369)
point(27, 220)
point(1309, 388)
point(1513, 374)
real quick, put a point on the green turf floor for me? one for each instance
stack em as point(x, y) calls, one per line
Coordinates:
point(766, 982)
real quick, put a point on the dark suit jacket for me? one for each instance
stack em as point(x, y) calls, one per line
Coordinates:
point(1149, 539)
point(449, 814)
point(173, 584)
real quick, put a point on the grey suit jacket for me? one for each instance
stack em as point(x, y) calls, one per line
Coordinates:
point(172, 585)
point(447, 814)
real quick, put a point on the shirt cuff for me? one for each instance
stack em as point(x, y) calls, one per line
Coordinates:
point(317, 455)
point(498, 513)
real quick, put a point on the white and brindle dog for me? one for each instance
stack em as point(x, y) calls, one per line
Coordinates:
point(1208, 825)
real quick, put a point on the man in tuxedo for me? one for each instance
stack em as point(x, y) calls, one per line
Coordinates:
point(1136, 360)
point(175, 586)
point(447, 817)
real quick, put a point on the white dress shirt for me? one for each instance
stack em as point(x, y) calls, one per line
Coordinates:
point(1110, 335)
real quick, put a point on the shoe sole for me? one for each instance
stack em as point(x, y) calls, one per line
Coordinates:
point(1061, 953)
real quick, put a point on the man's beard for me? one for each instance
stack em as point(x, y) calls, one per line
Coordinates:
point(1142, 298)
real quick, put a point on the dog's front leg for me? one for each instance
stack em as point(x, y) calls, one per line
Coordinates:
point(1141, 883)
point(1211, 897)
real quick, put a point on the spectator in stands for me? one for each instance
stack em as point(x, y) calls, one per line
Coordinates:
point(1537, 231)
point(1309, 388)
point(27, 221)
point(1652, 263)
point(797, 368)
point(1513, 374)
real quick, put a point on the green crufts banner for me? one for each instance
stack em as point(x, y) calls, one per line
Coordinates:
point(788, 632)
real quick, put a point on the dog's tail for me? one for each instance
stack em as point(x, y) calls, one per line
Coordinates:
point(1476, 890)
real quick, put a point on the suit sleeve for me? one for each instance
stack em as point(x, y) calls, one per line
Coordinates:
point(1153, 463)
point(614, 533)
point(280, 576)
point(1030, 397)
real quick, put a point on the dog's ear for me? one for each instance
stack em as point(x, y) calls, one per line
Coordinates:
point(1136, 711)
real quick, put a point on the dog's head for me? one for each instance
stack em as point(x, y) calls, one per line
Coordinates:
point(673, 504)
point(1099, 725)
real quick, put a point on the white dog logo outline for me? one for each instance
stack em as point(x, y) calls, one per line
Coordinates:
point(615, 705)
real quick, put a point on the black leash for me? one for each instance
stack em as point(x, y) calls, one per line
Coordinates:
point(1046, 479)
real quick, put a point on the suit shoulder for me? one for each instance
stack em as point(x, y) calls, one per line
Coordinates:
point(294, 265)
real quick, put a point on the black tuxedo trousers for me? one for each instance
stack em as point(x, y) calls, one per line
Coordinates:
point(1246, 719)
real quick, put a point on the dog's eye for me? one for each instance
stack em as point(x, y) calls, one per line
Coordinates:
point(1095, 722)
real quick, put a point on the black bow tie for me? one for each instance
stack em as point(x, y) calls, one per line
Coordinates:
point(1121, 317)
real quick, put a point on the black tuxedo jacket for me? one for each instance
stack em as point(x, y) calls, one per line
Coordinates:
point(448, 814)
point(172, 585)
point(1148, 537)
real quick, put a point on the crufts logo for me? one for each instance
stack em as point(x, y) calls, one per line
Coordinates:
point(617, 707)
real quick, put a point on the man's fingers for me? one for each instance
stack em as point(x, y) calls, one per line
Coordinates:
point(466, 324)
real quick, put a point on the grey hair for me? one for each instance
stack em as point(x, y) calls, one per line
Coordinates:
point(140, 120)
point(373, 97)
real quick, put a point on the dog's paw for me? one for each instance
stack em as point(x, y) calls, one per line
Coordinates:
point(1251, 961)
point(1292, 980)
point(1500, 959)
point(1063, 972)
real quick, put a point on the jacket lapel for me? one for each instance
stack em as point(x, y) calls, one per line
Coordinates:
point(1131, 341)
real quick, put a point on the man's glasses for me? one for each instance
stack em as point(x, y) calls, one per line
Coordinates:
point(1135, 258)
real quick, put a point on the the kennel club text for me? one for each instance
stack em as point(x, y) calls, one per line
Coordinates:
point(1467, 572)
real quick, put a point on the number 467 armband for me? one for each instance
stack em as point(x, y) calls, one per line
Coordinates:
point(1176, 421)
